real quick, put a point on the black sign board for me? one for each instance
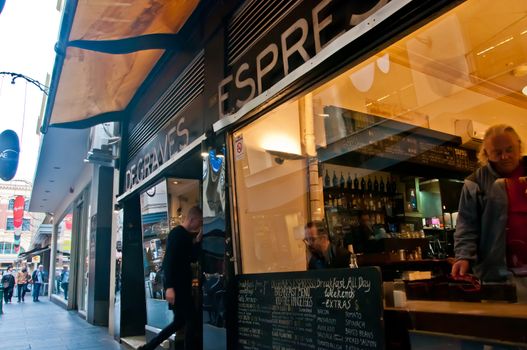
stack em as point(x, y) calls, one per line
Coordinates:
point(321, 309)
point(304, 30)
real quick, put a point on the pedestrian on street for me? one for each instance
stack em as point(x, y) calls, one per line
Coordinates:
point(22, 278)
point(8, 282)
point(38, 280)
point(65, 280)
point(181, 250)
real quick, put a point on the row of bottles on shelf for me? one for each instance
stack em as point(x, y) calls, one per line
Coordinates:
point(363, 202)
point(389, 186)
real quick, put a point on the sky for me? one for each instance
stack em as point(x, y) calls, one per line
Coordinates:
point(28, 33)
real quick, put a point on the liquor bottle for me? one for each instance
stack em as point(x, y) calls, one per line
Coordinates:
point(394, 186)
point(349, 183)
point(353, 257)
point(375, 185)
point(342, 182)
point(388, 186)
point(381, 185)
point(363, 185)
point(354, 202)
point(356, 183)
point(327, 180)
point(335, 181)
point(370, 185)
point(413, 200)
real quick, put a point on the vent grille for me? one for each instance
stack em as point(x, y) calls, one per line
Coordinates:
point(178, 96)
point(252, 21)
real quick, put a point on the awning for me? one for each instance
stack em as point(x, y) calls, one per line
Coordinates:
point(32, 252)
point(106, 50)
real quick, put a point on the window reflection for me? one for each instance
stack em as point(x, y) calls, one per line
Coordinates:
point(62, 256)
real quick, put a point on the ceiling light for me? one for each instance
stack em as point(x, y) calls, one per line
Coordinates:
point(524, 90)
point(175, 182)
point(520, 71)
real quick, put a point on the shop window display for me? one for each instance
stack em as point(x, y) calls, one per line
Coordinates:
point(380, 151)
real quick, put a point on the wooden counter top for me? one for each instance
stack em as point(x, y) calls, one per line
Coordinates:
point(490, 309)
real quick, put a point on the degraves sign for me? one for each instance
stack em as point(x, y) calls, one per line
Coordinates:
point(299, 36)
point(169, 141)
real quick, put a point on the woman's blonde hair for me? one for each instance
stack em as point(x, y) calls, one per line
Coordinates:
point(494, 130)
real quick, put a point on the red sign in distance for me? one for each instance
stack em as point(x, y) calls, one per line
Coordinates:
point(18, 211)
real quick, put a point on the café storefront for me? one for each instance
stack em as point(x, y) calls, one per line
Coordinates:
point(364, 117)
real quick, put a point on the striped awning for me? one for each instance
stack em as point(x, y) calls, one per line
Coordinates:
point(106, 50)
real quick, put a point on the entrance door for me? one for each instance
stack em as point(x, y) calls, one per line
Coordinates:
point(81, 213)
point(163, 207)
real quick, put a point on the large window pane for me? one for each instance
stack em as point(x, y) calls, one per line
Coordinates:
point(381, 151)
point(271, 188)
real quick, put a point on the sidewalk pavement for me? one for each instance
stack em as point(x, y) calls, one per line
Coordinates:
point(45, 325)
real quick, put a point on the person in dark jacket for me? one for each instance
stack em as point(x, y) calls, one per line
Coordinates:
point(8, 282)
point(181, 250)
point(322, 253)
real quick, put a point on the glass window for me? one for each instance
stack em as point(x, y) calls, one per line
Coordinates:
point(62, 262)
point(26, 205)
point(11, 204)
point(272, 191)
point(26, 225)
point(5, 247)
point(9, 224)
point(381, 151)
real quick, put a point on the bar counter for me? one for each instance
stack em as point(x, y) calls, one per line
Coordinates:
point(496, 322)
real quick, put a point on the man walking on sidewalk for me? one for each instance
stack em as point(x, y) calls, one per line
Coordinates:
point(8, 282)
point(181, 250)
point(38, 281)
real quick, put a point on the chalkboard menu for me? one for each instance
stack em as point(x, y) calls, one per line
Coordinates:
point(321, 309)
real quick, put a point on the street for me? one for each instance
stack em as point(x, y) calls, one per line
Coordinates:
point(45, 325)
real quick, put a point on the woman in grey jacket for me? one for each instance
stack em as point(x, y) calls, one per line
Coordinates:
point(480, 237)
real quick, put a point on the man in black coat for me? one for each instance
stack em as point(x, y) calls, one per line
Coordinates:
point(8, 282)
point(181, 250)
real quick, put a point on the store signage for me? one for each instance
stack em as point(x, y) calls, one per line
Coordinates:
point(9, 154)
point(300, 36)
point(172, 139)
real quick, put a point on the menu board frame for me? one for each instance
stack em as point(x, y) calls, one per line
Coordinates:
point(317, 309)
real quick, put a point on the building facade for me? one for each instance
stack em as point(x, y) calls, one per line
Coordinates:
point(350, 114)
point(16, 237)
